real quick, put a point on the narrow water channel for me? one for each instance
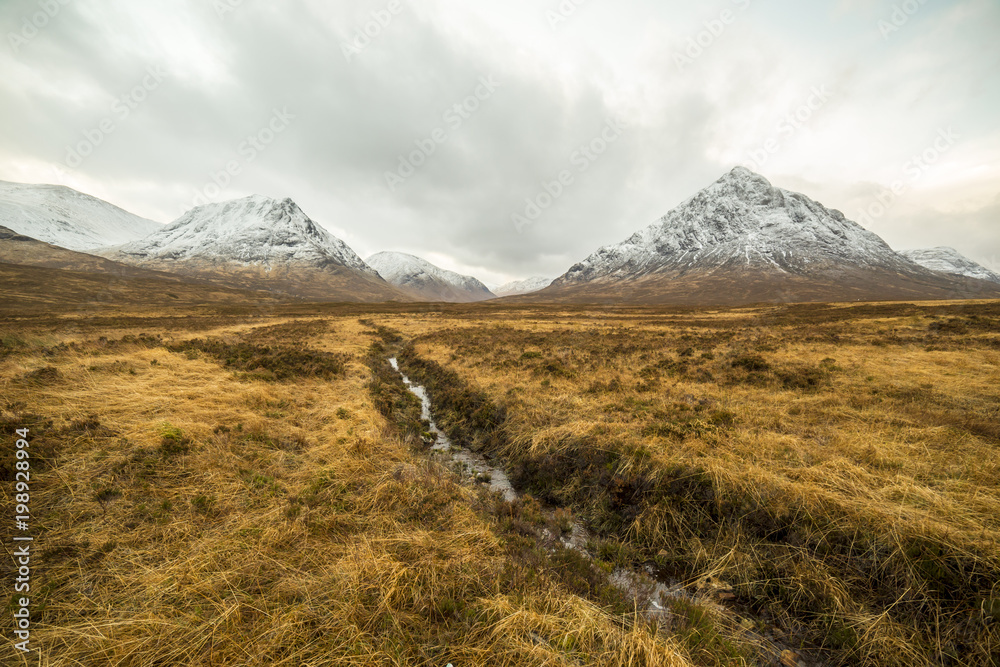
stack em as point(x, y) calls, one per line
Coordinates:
point(464, 461)
point(650, 594)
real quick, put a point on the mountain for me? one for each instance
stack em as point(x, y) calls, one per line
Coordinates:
point(740, 241)
point(950, 261)
point(67, 218)
point(523, 286)
point(427, 282)
point(259, 243)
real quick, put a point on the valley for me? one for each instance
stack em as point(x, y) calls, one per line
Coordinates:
point(248, 485)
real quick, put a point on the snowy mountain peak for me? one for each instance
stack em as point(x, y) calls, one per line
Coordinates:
point(255, 230)
point(64, 217)
point(948, 260)
point(741, 220)
point(745, 180)
point(527, 286)
point(427, 281)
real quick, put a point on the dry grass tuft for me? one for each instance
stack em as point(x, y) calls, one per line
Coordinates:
point(187, 515)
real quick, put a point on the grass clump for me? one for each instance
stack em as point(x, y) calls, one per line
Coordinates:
point(272, 363)
point(173, 442)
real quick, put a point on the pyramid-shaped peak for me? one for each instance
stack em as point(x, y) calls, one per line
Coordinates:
point(259, 204)
point(743, 222)
point(255, 211)
point(254, 230)
point(746, 179)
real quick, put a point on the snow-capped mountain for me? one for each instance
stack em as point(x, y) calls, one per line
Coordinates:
point(254, 231)
point(741, 240)
point(428, 282)
point(740, 221)
point(950, 261)
point(526, 286)
point(261, 243)
point(67, 218)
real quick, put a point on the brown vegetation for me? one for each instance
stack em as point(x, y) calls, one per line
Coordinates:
point(189, 513)
point(244, 486)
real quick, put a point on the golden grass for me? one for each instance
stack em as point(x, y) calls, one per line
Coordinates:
point(864, 462)
point(186, 516)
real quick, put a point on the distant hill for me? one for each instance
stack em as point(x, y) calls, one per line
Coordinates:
point(523, 286)
point(427, 282)
point(37, 275)
point(950, 261)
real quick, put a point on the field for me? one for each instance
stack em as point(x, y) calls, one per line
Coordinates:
point(235, 486)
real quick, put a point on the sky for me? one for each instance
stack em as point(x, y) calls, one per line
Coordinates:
point(511, 139)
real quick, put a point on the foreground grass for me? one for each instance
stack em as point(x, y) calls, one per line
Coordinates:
point(208, 491)
point(839, 467)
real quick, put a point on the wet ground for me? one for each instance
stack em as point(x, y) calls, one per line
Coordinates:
point(651, 594)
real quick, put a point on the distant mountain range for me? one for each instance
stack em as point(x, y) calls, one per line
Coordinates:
point(523, 286)
point(952, 262)
point(427, 282)
point(738, 241)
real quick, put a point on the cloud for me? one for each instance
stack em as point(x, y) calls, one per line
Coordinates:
point(354, 117)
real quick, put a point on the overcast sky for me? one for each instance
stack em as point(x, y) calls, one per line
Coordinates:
point(146, 104)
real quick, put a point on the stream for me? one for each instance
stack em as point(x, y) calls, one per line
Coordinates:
point(465, 462)
point(650, 594)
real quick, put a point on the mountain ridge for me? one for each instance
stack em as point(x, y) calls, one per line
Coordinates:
point(945, 259)
point(67, 218)
point(526, 286)
point(426, 281)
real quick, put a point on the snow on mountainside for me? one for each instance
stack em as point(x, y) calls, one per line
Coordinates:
point(741, 221)
point(742, 241)
point(254, 231)
point(950, 261)
point(426, 281)
point(259, 243)
point(526, 286)
point(69, 219)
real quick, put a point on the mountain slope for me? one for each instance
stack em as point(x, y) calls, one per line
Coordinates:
point(526, 286)
point(259, 243)
point(741, 240)
point(67, 218)
point(25, 251)
point(36, 275)
point(42, 289)
point(427, 282)
point(948, 260)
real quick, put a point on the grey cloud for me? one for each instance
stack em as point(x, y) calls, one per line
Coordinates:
point(354, 119)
